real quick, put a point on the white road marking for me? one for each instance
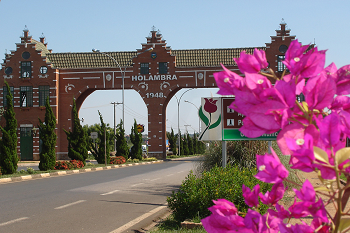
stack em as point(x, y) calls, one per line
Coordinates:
point(13, 221)
point(136, 184)
point(155, 179)
point(70, 204)
point(170, 175)
point(103, 194)
point(139, 219)
point(181, 172)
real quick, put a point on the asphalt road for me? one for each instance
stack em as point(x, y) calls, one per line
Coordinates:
point(102, 201)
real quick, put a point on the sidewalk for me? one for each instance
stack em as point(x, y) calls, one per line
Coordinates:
point(65, 172)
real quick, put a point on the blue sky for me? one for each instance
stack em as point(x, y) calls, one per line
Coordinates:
point(117, 25)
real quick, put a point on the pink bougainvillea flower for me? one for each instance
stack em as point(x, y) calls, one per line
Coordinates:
point(224, 207)
point(257, 82)
point(210, 105)
point(281, 212)
point(251, 63)
point(271, 170)
point(260, 119)
point(272, 197)
point(305, 65)
point(330, 130)
point(224, 218)
point(343, 80)
point(251, 197)
point(306, 193)
point(253, 220)
point(302, 156)
point(319, 93)
point(295, 131)
point(318, 210)
point(228, 82)
point(299, 209)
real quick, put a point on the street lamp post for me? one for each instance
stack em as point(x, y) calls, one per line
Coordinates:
point(115, 129)
point(121, 71)
point(178, 118)
point(199, 119)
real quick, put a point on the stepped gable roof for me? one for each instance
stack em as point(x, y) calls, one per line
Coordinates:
point(41, 47)
point(184, 58)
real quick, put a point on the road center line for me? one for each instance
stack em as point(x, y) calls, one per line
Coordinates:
point(136, 184)
point(111, 192)
point(155, 179)
point(13, 221)
point(70, 204)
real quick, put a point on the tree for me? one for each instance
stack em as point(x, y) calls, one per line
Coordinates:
point(172, 141)
point(48, 138)
point(104, 137)
point(122, 146)
point(195, 144)
point(136, 140)
point(190, 144)
point(77, 141)
point(8, 144)
point(185, 144)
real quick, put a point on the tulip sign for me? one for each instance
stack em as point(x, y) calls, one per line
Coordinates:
point(210, 114)
point(221, 122)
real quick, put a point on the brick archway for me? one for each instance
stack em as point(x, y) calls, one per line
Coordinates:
point(155, 75)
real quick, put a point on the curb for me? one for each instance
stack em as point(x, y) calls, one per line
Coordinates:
point(69, 172)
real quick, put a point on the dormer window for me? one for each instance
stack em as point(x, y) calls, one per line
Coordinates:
point(144, 68)
point(163, 67)
point(26, 69)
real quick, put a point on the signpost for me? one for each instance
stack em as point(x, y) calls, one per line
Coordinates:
point(224, 123)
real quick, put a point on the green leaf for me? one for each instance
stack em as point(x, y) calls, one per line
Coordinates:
point(344, 223)
point(203, 117)
point(216, 123)
point(342, 155)
point(322, 188)
point(321, 154)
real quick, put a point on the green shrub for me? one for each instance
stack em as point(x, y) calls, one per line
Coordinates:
point(196, 194)
point(149, 159)
point(30, 170)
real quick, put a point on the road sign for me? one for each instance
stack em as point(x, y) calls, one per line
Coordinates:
point(230, 122)
point(140, 128)
point(93, 135)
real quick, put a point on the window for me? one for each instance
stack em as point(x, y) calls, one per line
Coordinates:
point(44, 92)
point(163, 67)
point(5, 94)
point(144, 69)
point(26, 69)
point(301, 97)
point(26, 94)
point(280, 65)
point(43, 70)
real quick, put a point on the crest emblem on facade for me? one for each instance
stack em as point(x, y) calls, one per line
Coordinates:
point(153, 55)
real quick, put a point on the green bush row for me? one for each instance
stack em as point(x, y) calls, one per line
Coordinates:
point(195, 195)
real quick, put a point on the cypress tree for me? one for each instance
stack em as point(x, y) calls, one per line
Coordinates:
point(185, 144)
point(136, 140)
point(77, 147)
point(172, 141)
point(122, 145)
point(195, 144)
point(190, 145)
point(8, 143)
point(103, 136)
point(48, 138)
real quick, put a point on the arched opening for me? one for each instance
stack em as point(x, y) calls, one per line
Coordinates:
point(101, 100)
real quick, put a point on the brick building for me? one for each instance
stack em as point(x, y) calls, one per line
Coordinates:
point(34, 72)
